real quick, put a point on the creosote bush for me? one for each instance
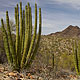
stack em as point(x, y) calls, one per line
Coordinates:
point(21, 53)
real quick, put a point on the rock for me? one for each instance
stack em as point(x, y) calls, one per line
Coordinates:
point(51, 79)
point(40, 78)
point(1, 76)
point(27, 79)
point(1, 69)
point(12, 74)
point(5, 76)
point(29, 74)
point(18, 79)
point(9, 78)
point(35, 77)
point(31, 77)
point(74, 79)
point(6, 72)
point(21, 75)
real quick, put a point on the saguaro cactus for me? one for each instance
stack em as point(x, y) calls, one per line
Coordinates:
point(76, 51)
point(26, 43)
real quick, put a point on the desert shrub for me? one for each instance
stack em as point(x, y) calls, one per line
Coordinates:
point(66, 61)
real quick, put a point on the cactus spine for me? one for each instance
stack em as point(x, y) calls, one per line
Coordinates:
point(26, 47)
point(76, 51)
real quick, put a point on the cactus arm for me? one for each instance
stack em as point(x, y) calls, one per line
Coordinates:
point(16, 25)
point(23, 38)
point(53, 60)
point(18, 38)
point(29, 39)
point(79, 55)
point(17, 30)
point(30, 24)
point(33, 38)
point(75, 57)
point(10, 40)
point(16, 16)
point(21, 29)
point(6, 44)
point(26, 37)
point(38, 39)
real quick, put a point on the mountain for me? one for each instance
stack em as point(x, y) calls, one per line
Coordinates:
point(70, 31)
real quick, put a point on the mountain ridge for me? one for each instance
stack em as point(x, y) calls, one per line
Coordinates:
point(70, 31)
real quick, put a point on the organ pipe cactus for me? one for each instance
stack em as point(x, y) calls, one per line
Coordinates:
point(26, 43)
point(76, 51)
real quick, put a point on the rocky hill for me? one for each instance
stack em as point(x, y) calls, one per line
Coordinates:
point(70, 31)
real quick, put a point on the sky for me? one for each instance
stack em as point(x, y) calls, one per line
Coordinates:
point(56, 14)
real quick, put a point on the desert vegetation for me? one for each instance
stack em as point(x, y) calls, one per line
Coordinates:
point(27, 53)
point(20, 53)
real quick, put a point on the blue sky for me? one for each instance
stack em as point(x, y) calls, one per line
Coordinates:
point(56, 14)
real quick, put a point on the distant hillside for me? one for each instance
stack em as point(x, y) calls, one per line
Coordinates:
point(70, 31)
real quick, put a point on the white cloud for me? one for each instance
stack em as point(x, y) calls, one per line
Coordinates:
point(7, 3)
point(73, 3)
point(52, 21)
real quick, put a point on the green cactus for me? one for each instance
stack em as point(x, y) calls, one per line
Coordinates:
point(26, 43)
point(33, 38)
point(20, 21)
point(6, 45)
point(76, 52)
point(11, 46)
point(23, 32)
point(26, 38)
point(37, 41)
point(30, 23)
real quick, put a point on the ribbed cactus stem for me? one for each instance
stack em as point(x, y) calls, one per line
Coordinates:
point(39, 33)
point(53, 60)
point(33, 38)
point(29, 36)
point(6, 45)
point(10, 40)
point(23, 37)
point(75, 51)
point(16, 16)
point(18, 39)
point(37, 41)
point(17, 31)
point(30, 23)
point(79, 54)
point(26, 37)
point(21, 29)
